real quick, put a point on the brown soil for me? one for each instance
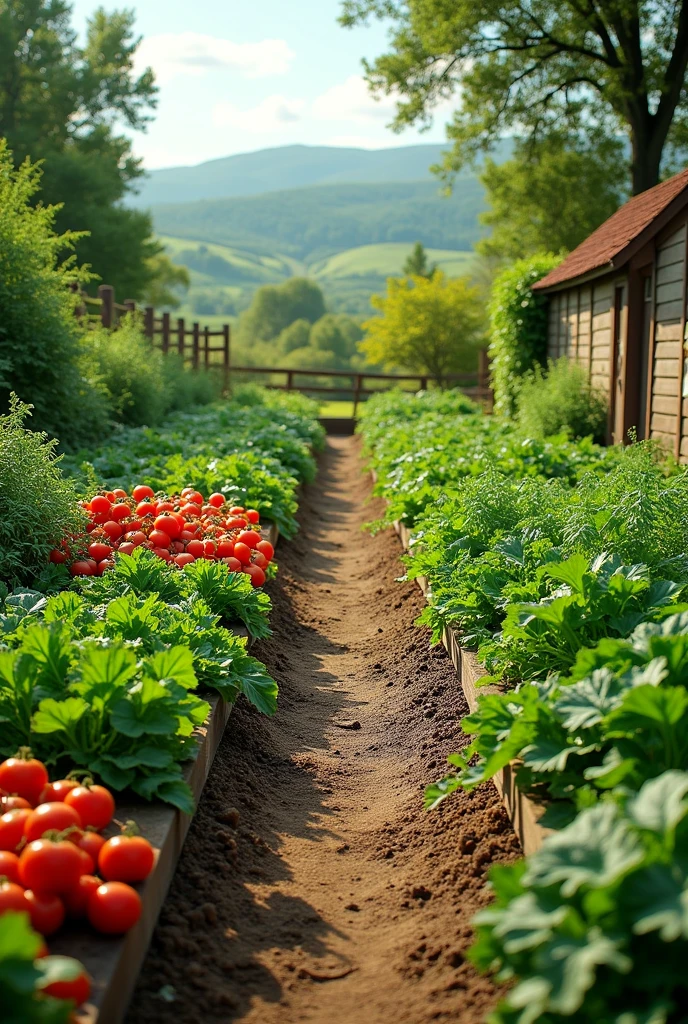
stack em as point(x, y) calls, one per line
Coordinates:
point(312, 886)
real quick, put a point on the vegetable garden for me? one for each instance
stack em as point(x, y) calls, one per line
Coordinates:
point(138, 574)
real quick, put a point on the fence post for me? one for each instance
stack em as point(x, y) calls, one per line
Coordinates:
point(181, 337)
point(130, 305)
point(424, 383)
point(149, 322)
point(165, 333)
point(206, 348)
point(225, 354)
point(357, 392)
point(290, 380)
point(196, 345)
point(106, 294)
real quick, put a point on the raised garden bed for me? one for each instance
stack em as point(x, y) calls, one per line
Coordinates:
point(523, 812)
point(114, 963)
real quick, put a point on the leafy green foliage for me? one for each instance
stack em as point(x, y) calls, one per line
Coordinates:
point(41, 351)
point(38, 506)
point(518, 327)
point(561, 401)
point(593, 926)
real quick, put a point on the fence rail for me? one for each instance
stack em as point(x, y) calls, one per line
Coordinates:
point(194, 344)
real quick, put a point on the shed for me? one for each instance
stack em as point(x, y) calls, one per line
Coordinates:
point(617, 304)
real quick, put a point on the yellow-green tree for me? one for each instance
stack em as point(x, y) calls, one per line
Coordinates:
point(432, 326)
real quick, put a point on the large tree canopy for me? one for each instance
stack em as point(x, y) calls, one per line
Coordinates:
point(64, 102)
point(589, 68)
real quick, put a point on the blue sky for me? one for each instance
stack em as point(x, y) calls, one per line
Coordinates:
point(239, 76)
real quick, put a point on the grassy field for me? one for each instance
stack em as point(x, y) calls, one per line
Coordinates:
point(386, 260)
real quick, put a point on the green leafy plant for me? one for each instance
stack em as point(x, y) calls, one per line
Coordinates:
point(592, 927)
point(23, 975)
point(561, 400)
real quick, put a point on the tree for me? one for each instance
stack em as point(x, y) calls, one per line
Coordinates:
point(275, 307)
point(296, 335)
point(417, 263)
point(338, 334)
point(42, 356)
point(168, 279)
point(61, 101)
point(549, 196)
point(588, 68)
point(433, 326)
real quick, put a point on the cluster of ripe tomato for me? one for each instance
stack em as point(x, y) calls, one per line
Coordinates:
point(179, 529)
point(55, 862)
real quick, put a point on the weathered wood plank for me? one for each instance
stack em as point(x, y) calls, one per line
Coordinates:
point(670, 292)
point(670, 254)
point(669, 310)
point(668, 332)
point(671, 272)
point(665, 386)
point(668, 350)
point(664, 424)
point(664, 404)
point(666, 367)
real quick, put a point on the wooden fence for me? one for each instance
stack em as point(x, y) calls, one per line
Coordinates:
point(196, 346)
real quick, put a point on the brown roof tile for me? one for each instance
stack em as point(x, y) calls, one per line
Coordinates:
point(612, 237)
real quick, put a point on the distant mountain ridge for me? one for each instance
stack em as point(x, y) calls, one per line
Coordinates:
point(287, 167)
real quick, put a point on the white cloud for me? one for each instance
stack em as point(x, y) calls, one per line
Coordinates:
point(352, 101)
point(273, 114)
point(191, 53)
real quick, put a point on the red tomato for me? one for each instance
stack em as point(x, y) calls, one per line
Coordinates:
point(112, 529)
point(77, 988)
point(142, 492)
point(88, 865)
point(236, 510)
point(209, 549)
point(168, 525)
point(57, 790)
point(99, 551)
point(160, 539)
point(186, 536)
point(195, 548)
point(114, 908)
point(48, 817)
point(100, 504)
point(13, 803)
point(236, 523)
point(126, 547)
point(126, 859)
point(233, 564)
point(92, 562)
point(253, 515)
point(178, 546)
point(266, 548)
point(260, 560)
point(225, 548)
point(186, 491)
point(257, 575)
point(119, 511)
point(132, 526)
point(162, 553)
point(196, 497)
point(217, 500)
point(47, 911)
point(119, 493)
point(81, 568)
point(107, 564)
point(242, 552)
point(94, 805)
point(183, 559)
point(52, 867)
point(58, 557)
point(146, 508)
point(136, 538)
point(190, 510)
point(9, 866)
point(12, 829)
point(12, 898)
point(24, 776)
point(76, 900)
point(165, 506)
point(92, 842)
point(250, 538)
point(110, 496)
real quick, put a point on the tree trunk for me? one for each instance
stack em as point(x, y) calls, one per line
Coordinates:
point(646, 161)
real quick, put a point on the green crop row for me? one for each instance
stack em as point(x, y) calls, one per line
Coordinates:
point(104, 672)
point(564, 565)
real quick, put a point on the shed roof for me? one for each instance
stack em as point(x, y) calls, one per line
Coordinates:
point(606, 248)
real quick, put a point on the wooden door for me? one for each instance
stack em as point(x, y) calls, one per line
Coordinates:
point(618, 366)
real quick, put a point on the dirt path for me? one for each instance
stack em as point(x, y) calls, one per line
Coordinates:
point(312, 886)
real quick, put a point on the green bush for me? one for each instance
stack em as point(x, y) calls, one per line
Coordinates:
point(142, 385)
point(38, 506)
point(518, 326)
point(40, 338)
point(561, 400)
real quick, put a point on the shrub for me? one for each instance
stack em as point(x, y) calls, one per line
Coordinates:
point(40, 339)
point(561, 400)
point(518, 326)
point(38, 506)
point(142, 385)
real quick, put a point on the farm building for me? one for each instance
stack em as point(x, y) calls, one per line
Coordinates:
point(617, 304)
